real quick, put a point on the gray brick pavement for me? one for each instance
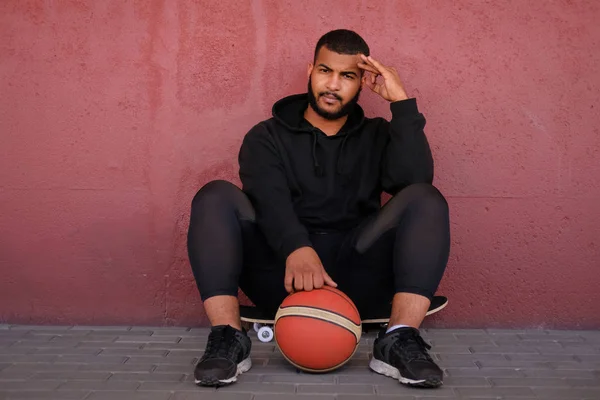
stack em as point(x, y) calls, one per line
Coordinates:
point(97, 363)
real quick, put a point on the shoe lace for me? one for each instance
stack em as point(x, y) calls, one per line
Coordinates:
point(412, 347)
point(222, 343)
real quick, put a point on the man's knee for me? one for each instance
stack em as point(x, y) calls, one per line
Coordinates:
point(422, 196)
point(221, 193)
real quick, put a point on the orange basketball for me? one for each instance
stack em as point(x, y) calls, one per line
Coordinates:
point(317, 330)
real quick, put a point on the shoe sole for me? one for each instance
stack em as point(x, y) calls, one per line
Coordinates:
point(242, 367)
point(386, 369)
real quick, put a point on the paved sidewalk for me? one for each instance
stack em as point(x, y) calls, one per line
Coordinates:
point(115, 363)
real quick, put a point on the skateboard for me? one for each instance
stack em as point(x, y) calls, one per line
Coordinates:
point(262, 322)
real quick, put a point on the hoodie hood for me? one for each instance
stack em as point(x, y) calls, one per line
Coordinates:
point(289, 112)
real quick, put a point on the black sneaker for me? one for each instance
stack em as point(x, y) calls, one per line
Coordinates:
point(402, 354)
point(226, 356)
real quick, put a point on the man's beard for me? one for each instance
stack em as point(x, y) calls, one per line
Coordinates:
point(345, 110)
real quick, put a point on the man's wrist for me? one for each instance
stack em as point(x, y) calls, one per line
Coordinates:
point(399, 97)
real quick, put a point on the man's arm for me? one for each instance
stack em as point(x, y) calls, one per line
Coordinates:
point(263, 179)
point(407, 158)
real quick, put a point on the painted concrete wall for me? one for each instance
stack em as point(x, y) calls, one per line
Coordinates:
point(113, 114)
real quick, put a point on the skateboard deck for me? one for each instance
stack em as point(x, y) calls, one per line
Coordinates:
point(263, 321)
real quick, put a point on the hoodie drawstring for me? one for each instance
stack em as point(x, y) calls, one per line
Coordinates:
point(318, 168)
point(341, 155)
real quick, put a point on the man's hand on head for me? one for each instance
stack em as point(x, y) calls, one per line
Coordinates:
point(304, 271)
point(390, 88)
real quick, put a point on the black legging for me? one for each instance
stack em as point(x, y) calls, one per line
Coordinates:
point(402, 248)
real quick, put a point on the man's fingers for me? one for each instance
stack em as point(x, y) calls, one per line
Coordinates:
point(367, 67)
point(328, 279)
point(298, 281)
point(287, 282)
point(376, 64)
point(308, 281)
point(318, 281)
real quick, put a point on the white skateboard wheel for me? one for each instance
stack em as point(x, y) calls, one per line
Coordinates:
point(265, 334)
point(256, 326)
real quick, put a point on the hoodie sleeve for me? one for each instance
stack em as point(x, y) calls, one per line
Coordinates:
point(264, 182)
point(407, 158)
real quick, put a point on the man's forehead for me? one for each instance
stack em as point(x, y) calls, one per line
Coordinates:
point(337, 61)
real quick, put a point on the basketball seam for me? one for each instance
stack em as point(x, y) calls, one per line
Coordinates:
point(357, 332)
point(349, 302)
point(320, 309)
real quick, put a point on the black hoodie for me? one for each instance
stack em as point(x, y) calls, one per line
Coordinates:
point(302, 181)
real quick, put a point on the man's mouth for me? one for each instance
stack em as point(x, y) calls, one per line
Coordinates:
point(330, 98)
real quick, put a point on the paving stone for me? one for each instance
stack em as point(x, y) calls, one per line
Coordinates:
point(371, 397)
point(552, 373)
point(71, 351)
point(57, 328)
point(370, 378)
point(110, 345)
point(443, 391)
point(147, 377)
point(542, 357)
point(128, 395)
point(178, 368)
point(481, 349)
point(468, 360)
point(273, 396)
point(495, 392)
point(43, 367)
point(134, 352)
point(181, 346)
point(529, 382)
point(283, 388)
point(99, 328)
point(298, 378)
point(30, 385)
point(451, 349)
point(31, 358)
point(566, 394)
point(17, 350)
point(505, 363)
point(347, 389)
point(214, 396)
point(485, 372)
point(179, 386)
point(99, 359)
point(185, 360)
point(105, 340)
point(72, 375)
point(42, 395)
point(9, 375)
point(148, 339)
point(94, 385)
point(135, 367)
point(580, 382)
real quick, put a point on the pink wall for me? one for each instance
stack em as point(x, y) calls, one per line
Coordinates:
point(113, 115)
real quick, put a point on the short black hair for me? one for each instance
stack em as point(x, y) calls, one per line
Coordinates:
point(342, 41)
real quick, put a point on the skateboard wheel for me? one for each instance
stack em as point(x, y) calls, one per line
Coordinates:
point(256, 326)
point(265, 334)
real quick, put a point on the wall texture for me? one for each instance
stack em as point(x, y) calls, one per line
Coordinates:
point(113, 114)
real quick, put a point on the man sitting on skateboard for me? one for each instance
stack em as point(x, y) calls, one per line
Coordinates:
point(309, 214)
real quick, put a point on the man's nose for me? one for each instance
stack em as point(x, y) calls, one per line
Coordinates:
point(333, 83)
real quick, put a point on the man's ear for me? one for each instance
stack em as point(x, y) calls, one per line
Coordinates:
point(309, 70)
point(363, 80)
